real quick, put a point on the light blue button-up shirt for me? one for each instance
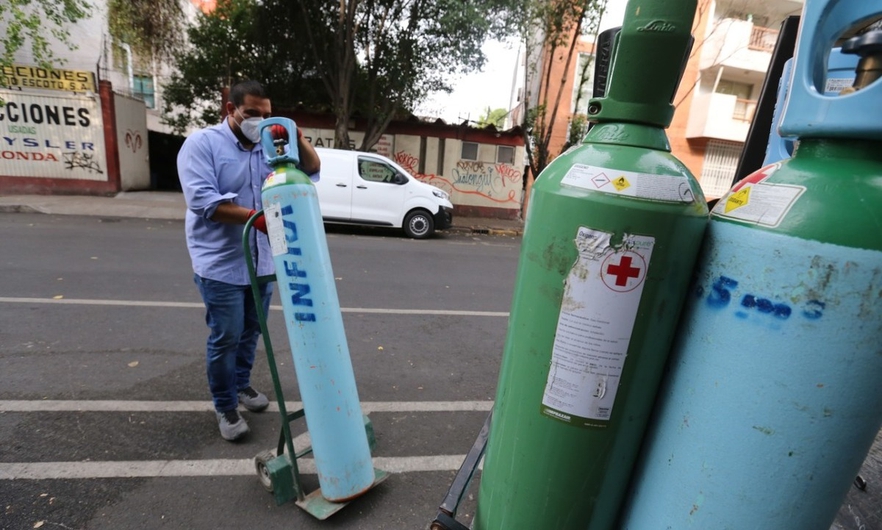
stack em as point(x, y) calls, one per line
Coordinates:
point(213, 168)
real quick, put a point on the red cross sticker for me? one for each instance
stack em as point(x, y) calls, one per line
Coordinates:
point(620, 269)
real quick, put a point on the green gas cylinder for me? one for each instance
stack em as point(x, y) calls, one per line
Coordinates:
point(609, 245)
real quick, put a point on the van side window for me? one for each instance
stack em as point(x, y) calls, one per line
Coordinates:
point(373, 171)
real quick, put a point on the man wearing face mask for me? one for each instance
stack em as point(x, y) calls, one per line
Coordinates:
point(222, 169)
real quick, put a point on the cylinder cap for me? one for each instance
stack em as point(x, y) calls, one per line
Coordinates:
point(647, 64)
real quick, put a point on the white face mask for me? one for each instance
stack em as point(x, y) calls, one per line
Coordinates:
point(248, 126)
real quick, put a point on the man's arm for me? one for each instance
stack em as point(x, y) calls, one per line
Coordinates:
point(309, 159)
point(198, 180)
point(199, 184)
point(230, 213)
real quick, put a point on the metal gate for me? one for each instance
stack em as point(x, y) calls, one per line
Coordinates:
point(718, 170)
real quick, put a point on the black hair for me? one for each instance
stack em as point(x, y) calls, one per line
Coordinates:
point(246, 88)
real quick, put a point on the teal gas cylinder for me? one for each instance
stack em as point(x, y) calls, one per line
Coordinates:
point(772, 401)
point(609, 245)
point(314, 322)
point(840, 76)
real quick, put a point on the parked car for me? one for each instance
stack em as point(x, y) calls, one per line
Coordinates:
point(369, 189)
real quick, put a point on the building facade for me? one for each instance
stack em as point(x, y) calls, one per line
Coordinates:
point(717, 96)
point(93, 126)
point(716, 101)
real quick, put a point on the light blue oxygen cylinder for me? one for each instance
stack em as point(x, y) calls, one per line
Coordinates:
point(771, 401)
point(313, 318)
point(840, 75)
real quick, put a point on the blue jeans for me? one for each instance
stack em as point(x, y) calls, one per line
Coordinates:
point(231, 315)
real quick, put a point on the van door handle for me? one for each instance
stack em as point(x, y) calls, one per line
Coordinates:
point(341, 185)
point(361, 187)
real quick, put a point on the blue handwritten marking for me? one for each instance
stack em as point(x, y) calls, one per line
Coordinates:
point(291, 234)
point(783, 311)
point(720, 296)
point(291, 269)
point(298, 294)
point(299, 290)
point(762, 305)
point(814, 309)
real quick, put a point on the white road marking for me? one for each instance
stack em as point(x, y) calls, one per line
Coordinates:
point(192, 305)
point(216, 467)
point(367, 407)
point(201, 468)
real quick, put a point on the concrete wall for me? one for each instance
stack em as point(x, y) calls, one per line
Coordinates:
point(131, 139)
point(480, 187)
point(711, 116)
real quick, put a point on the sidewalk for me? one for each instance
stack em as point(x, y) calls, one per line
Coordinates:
point(170, 205)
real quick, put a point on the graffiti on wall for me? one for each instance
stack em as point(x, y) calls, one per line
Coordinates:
point(500, 184)
point(80, 160)
point(133, 140)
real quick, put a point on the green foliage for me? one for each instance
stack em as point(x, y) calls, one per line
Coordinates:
point(241, 39)
point(495, 117)
point(36, 21)
point(153, 28)
point(577, 131)
point(379, 58)
point(370, 58)
point(562, 22)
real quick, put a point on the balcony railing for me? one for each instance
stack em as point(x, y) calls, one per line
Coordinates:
point(763, 39)
point(744, 109)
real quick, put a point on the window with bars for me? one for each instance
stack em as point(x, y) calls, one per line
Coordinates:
point(718, 171)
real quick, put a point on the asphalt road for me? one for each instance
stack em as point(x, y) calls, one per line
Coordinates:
point(105, 417)
point(104, 400)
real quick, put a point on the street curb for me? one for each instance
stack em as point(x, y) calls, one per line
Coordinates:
point(19, 208)
point(27, 208)
point(485, 231)
point(510, 233)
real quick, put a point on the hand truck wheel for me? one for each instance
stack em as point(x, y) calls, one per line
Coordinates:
point(263, 474)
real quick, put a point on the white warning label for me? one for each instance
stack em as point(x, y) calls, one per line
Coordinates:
point(275, 229)
point(669, 188)
point(759, 203)
point(597, 315)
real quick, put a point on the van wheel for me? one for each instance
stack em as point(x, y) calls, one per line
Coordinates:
point(418, 224)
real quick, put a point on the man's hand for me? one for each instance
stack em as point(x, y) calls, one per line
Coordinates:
point(259, 223)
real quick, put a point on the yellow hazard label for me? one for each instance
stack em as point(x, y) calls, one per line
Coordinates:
point(738, 199)
point(621, 183)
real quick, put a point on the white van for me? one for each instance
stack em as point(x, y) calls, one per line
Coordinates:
point(369, 189)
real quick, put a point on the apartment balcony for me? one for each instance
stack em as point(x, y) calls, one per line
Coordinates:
point(738, 44)
point(720, 117)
